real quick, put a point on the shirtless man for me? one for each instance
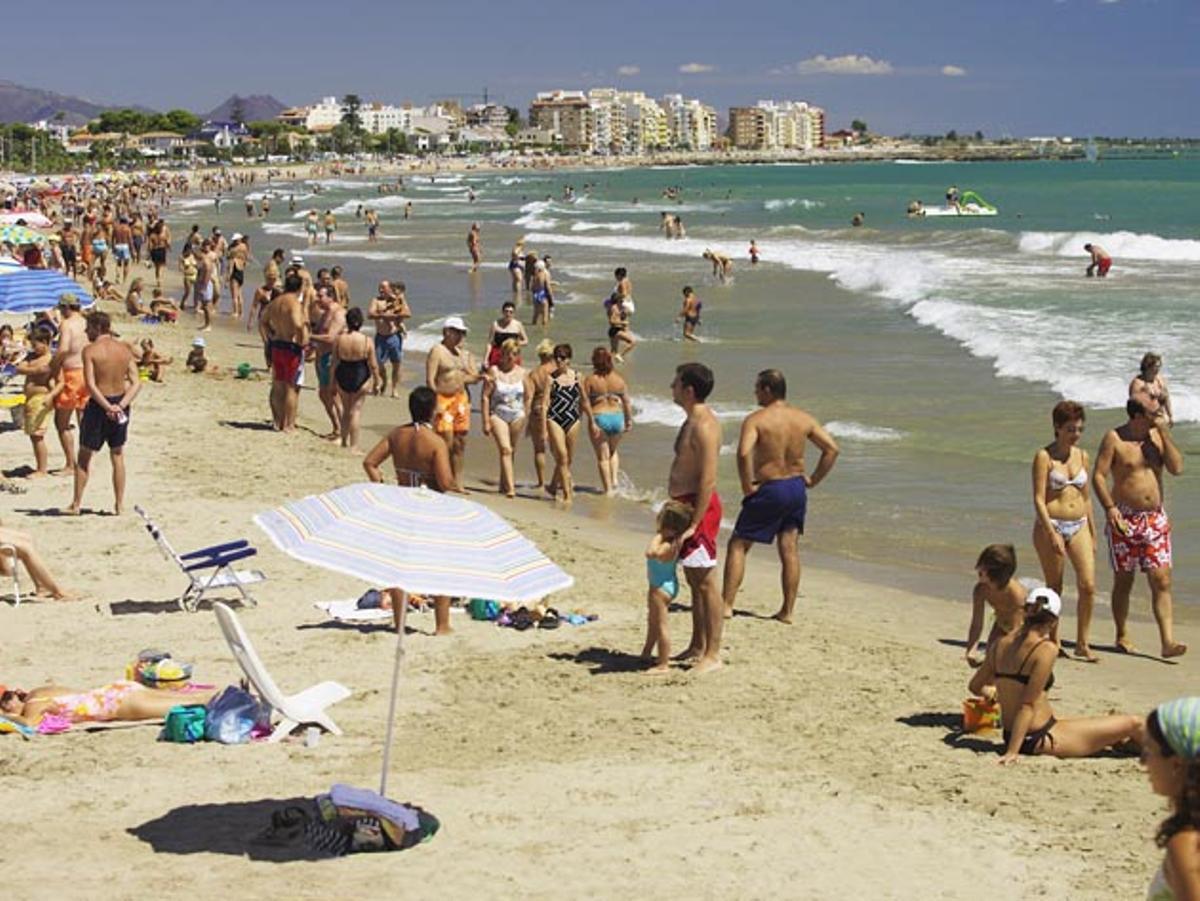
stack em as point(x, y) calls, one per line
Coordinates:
point(258, 303)
point(449, 369)
point(474, 247)
point(388, 310)
point(67, 367)
point(693, 481)
point(110, 372)
point(284, 331)
point(341, 287)
point(770, 459)
point(273, 269)
point(420, 458)
point(1139, 533)
point(122, 248)
point(995, 587)
point(1101, 261)
point(331, 322)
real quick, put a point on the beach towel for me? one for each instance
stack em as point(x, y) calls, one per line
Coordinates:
point(12, 727)
point(348, 611)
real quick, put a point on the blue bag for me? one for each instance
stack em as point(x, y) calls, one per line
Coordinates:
point(231, 716)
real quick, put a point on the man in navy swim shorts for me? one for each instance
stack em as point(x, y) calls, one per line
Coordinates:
point(770, 460)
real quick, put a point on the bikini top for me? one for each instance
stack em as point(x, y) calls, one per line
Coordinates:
point(1023, 678)
point(1058, 480)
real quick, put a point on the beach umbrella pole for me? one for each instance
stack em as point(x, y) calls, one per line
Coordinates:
point(391, 723)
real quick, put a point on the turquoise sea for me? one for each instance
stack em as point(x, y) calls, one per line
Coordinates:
point(933, 349)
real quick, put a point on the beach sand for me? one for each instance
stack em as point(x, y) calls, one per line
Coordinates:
point(822, 761)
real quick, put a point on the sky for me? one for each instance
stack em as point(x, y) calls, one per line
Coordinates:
point(1005, 67)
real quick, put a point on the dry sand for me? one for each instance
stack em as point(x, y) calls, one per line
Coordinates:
point(822, 761)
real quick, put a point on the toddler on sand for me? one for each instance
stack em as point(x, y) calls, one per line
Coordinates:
point(662, 555)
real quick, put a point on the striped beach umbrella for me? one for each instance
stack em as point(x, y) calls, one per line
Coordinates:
point(33, 290)
point(417, 540)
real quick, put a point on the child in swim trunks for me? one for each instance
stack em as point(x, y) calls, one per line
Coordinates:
point(662, 556)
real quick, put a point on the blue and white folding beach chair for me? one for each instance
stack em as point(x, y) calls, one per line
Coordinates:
point(208, 568)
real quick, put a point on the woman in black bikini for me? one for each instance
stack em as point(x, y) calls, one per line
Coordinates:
point(1019, 670)
point(353, 367)
point(561, 407)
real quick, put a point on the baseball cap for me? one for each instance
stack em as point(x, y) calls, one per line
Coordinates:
point(456, 323)
point(236, 236)
point(199, 342)
point(1044, 599)
point(69, 299)
point(297, 260)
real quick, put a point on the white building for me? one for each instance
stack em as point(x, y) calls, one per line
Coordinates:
point(56, 130)
point(794, 124)
point(692, 125)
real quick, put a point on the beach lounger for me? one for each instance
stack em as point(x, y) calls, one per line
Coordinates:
point(348, 611)
point(305, 708)
point(208, 568)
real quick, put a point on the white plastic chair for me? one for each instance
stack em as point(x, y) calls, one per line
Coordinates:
point(307, 707)
point(208, 568)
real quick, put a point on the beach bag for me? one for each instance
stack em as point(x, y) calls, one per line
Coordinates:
point(483, 610)
point(232, 715)
point(185, 724)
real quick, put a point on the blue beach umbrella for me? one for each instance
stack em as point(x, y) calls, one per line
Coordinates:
point(415, 539)
point(25, 291)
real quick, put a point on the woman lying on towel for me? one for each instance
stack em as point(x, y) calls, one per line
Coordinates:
point(1018, 671)
point(128, 701)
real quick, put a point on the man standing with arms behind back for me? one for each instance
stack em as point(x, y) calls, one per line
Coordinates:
point(770, 458)
point(693, 481)
point(1139, 533)
point(284, 330)
point(111, 375)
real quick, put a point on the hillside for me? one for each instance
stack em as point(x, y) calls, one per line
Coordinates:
point(23, 104)
point(255, 107)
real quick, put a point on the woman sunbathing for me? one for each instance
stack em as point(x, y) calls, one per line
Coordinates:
point(1019, 669)
point(127, 701)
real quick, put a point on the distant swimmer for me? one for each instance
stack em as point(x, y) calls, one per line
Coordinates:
point(753, 252)
point(1101, 261)
point(916, 208)
point(952, 197)
point(858, 219)
point(722, 266)
point(474, 247)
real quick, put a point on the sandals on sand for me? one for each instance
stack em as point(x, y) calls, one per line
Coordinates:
point(550, 619)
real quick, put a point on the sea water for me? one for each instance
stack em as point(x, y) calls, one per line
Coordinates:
point(932, 349)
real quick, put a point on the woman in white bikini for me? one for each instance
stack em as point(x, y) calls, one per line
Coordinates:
point(505, 407)
point(1063, 528)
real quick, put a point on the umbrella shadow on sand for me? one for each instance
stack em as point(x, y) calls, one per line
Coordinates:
point(234, 827)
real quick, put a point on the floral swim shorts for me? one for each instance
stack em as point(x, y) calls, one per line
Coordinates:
point(1145, 546)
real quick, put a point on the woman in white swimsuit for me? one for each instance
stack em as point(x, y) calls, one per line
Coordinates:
point(1063, 528)
point(506, 409)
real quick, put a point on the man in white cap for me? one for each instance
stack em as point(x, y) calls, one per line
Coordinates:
point(449, 368)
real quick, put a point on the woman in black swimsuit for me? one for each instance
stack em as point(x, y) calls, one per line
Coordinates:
point(353, 367)
point(1019, 670)
point(561, 407)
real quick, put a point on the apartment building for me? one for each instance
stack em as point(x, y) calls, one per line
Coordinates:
point(692, 124)
point(777, 125)
point(565, 113)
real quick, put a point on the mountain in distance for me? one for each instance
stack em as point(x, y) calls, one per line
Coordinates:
point(254, 108)
point(22, 104)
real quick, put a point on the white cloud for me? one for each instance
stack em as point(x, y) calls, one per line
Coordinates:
point(629, 70)
point(696, 68)
point(850, 64)
point(953, 71)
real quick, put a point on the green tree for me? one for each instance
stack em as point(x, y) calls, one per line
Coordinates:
point(952, 135)
point(858, 125)
point(180, 120)
point(978, 135)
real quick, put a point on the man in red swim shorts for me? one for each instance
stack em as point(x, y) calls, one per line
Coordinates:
point(284, 330)
point(693, 480)
point(1101, 261)
point(1139, 533)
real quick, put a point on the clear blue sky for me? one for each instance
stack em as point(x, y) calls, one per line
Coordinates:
point(1020, 67)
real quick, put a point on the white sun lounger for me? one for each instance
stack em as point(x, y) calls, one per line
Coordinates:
point(208, 568)
point(347, 611)
point(305, 708)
